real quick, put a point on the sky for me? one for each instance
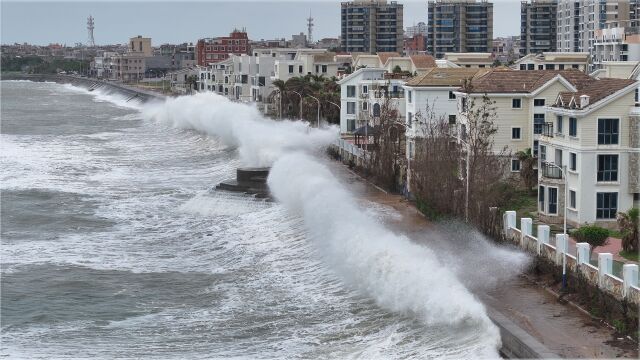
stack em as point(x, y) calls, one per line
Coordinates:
point(46, 22)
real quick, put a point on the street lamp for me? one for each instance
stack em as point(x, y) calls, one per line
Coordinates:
point(313, 97)
point(564, 228)
point(280, 103)
point(295, 92)
point(466, 196)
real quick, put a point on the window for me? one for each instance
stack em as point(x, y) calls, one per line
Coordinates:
point(351, 108)
point(317, 68)
point(351, 124)
point(558, 160)
point(376, 109)
point(607, 167)
point(559, 121)
point(365, 105)
point(573, 127)
point(365, 89)
point(324, 68)
point(523, 67)
point(452, 96)
point(515, 133)
point(541, 198)
point(516, 103)
point(452, 119)
point(290, 69)
point(300, 69)
point(606, 205)
point(538, 123)
point(538, 102)
point(463, 104)
point(543, 153)
point(573, 161)
point(607, 131)
point(351, 91)
point(531, 66)
point(553, 200)
point(515, 165)
point(409, 119)
point(572, 199)
point(410, 96)
point(550, 66)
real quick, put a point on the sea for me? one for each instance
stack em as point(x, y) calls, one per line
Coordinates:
point(115, 245)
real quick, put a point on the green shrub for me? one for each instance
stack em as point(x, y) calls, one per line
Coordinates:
point(592, 234)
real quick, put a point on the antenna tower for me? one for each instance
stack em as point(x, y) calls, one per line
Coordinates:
point(309, 29)
point(90, 27)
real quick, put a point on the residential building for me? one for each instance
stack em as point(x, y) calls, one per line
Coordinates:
point(140, 46)
point(180, 80)
point(553, 61)
point(459, 26)
point(299, 41)
point(371, 26)
point(390, 62)
point(470, 60)
point(416, 44)
point(420, 29)
point(362, 95)
point(332, 44)
point(616, 44)
point(213, 50)
point(506, 49)
point(520, 98)
point(538, 26)
point(131, 66)
point(593, 134)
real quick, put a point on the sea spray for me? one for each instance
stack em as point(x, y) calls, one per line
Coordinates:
point(260, 141)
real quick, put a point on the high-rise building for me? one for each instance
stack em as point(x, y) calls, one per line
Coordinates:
point(372, 26)
point(538, 26)
point(420, 29)
point(459, 26)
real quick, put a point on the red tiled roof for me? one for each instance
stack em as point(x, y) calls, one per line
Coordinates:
point(513, 81)
point(423, 61)
point(596, 90)
point(384, 56)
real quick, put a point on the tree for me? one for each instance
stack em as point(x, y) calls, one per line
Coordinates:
point(527, 168)
point(397, 69)
point(595, 236)
point(629, 224)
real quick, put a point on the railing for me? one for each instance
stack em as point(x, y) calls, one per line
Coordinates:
point(547, 129)
point(550, 170)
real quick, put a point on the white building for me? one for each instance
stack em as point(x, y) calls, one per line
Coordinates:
point(363, 93)
point(553, 61)
point(616, 44)
point(594, 135)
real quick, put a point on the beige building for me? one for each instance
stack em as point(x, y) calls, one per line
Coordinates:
point(470, 60)
point(140, 46)
point(131, 66)
point(553, 61)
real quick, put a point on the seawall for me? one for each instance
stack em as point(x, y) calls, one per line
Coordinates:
point(89, 84)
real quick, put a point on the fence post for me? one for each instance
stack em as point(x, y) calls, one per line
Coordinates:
point(583, 253)
point(561, 247)
point(526, 225)
point(605, 266)
point(510, 223)
point(543, 236)
point(629, 277)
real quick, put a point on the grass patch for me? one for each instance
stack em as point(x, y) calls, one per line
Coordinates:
point(615, 233)
point(630, 255)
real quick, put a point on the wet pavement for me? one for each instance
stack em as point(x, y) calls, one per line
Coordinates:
point(561, 327)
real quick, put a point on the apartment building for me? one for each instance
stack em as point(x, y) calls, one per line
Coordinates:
point(459, 26)
point(363, 94)
point(520, 100)
point(371, 26)
point(616, 44)
point(419, 29)
point(593, 135)
point(131, 66)
point(470, 60)
point(390, 62)
point(212, 50)
point(553, 61)
point(538, 26)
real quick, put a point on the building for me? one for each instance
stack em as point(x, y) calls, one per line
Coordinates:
point(140, 46)
point(538, 26)
point(459, 26)
point(362, 95)
point(506, 49)
point(420, 29)
point(299, 41)
point(132, 65)
point(328, 43)
point(593, 135)
point(416, 44)
point(553, 61)
point(616, 44)
point(371, 26)
point(213, 50)
point(470, 60)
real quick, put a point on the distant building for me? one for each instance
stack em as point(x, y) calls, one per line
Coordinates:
point(132, 65)
point(463, 26)
point(299, 41)
point(328, 43)
point(212, 50)
point(538, 26)
point(372, 26)
point(420, 29)
point(140, 46)
point(553, 61)
point(415, 45)
point(470, 60)
point(506, 49)
point(616, 44)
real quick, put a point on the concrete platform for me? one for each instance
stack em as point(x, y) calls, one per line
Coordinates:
point(251, 181)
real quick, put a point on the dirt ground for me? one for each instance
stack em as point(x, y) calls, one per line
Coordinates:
point(561, 327)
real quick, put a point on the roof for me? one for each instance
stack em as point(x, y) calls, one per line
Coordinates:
point(445, 77)
point(423, 61)
point(324, 58)
point(596, 90)
point(384, 56)
point(513, 81)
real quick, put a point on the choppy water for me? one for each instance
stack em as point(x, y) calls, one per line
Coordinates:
point(113, 246)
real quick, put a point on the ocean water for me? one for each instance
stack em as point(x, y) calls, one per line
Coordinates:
point(115, 246)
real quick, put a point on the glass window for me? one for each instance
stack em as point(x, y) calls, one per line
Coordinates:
point(351, 124)
point(365, 89)
point(559, 123)
point(572, 199)
point(607, 205)
point(543, 153)
point(515, 133)
point(290, 69)
point(531, 66)
point(351, 108)
point(553, 200)
point(607, 167)
point(365, 105)
point(608, 131)
point(452, 119)
point(515, 165)
point(573, 127)
point(538, 102)
point(538, 123)
point(451, 95)
point(573, 161)
point(516, 103)
point(523, 67)
point(410, 96)
point(351, 91)
point(300, 69)
point(541, 198)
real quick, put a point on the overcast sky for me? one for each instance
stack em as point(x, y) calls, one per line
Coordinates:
point(47, 22)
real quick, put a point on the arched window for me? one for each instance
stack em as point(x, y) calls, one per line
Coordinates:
point(376, 109)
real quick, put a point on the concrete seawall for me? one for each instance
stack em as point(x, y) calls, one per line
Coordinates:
point(89, 84)
point(517, 343)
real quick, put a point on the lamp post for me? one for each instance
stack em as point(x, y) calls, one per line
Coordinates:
point(564, 228)
point(466, 196)
point(279, 103)
point(297, 93)
point(313, 97)
point(336, 105)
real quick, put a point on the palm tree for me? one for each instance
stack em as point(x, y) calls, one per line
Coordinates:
point(629, 224)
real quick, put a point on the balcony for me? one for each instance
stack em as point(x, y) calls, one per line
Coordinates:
point(550, 170)
point(547, 129)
